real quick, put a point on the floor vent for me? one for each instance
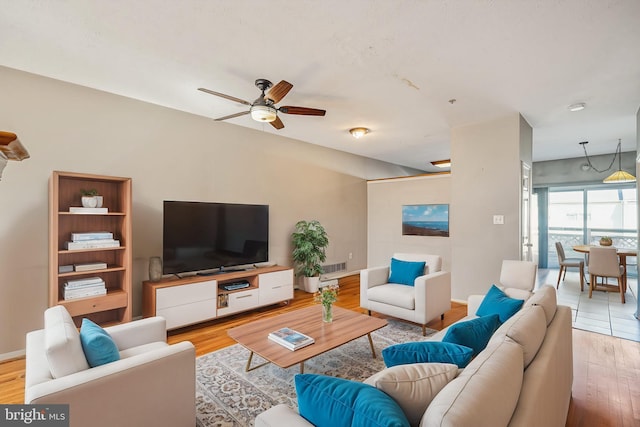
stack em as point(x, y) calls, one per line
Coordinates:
point(332, 268)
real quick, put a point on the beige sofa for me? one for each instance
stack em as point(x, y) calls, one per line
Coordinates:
point(153, 383)
point(522, 378)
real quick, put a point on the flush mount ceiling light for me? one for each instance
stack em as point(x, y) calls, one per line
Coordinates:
point(577, 107)
point(442, 163)
point(618, 176)
point(263, 113)
point(359, 132)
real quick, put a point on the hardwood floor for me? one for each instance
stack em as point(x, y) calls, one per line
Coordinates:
point(606, 384)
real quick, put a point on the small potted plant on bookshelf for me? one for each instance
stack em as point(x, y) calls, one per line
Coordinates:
point(89, 199)
point(309, 245)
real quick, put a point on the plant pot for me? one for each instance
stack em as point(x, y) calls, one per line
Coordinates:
point(310, 284)
point(606, 242)
point(89, 201)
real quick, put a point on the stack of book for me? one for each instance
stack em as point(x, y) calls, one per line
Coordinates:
point(81, 288)
point(83, 210)
point(290, 338)
point(92, 240)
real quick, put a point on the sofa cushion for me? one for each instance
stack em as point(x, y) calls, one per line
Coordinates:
point(394, 294)
point(405, 272)
point(545, 297)
point(98, 347)
point(486, 392)
point(474, 333)
point(62, 343)
point(414, 386)
point(527, 328)
point(497, 302)
point(427, 352)
point(329, 401)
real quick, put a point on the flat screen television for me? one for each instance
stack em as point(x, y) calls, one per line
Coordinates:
point(200, 236)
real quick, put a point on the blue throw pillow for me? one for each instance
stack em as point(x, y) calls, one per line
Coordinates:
point(405, 272)
point(328, 401)
point(427, 352)
point(474, 333)
point(497, 302)
point(97, 344)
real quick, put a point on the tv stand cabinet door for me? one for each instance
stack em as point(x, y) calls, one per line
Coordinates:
point(276, 286)
point(187, 304)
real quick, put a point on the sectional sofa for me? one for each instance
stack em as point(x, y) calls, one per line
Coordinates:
point(523, 377)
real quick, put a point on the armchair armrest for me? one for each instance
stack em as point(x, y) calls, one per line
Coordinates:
point(139, 332)
point(130, 391)
point(473, 302)
point(370, 277)
point(433, 295)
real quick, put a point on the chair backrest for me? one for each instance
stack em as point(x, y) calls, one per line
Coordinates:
point(604, 262)
point(433, 262)
point(518, 274)
point(560, 251)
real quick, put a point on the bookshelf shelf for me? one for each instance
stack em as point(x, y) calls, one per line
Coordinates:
point(64, 193)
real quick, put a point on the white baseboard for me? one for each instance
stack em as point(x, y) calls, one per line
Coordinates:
point(13, 355)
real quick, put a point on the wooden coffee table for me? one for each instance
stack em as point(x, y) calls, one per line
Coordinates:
point(347, 325)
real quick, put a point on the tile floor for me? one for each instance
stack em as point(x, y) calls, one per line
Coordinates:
point(603, 313)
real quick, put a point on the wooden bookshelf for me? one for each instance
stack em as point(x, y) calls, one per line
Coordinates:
point(64, 192)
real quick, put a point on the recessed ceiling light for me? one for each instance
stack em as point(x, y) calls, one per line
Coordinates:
point(359, 132)
point(577, 107)
point(442, 163)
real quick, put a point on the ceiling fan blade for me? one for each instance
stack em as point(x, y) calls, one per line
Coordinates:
point(304, 111)
point(277, 123)
point(279, 91)
point(231, 116)
point(222, 95)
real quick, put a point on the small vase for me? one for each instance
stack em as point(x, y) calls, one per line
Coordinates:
point(155, 268)
point(327, 313)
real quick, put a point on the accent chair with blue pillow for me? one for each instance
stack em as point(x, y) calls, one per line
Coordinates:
point(412, 287)
point(124, 375)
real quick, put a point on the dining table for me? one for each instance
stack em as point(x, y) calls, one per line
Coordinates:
point(623, 253)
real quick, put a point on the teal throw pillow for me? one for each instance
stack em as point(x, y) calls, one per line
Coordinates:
point(328, 401)
point(98, 346)
point(405, 272)
point(474, 333)
point(427, 352)
point(497, 302)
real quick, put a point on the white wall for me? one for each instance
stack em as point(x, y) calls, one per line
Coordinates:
point(385, 199)
point(485, 181)
point(169, 155)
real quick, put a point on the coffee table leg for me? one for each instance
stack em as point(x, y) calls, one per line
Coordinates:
point(373, 350)
point(302, 367)
point(249, 368)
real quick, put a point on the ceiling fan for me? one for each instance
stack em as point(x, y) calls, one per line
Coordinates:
point(263, 109)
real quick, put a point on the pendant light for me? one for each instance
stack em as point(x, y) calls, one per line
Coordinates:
point(618, 176)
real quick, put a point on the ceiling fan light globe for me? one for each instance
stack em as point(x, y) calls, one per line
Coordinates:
point(263, 113)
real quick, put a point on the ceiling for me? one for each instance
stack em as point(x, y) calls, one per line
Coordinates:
point(391, 66)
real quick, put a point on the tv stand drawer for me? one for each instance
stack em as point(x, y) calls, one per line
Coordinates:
point(240, 301)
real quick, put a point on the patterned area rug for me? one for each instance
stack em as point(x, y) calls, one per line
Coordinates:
point(228, 396)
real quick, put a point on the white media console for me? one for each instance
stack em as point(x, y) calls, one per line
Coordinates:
point(195, 299)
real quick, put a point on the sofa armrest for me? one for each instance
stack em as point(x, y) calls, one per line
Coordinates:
point(433, 295)
point(473, 302)
point(139, 332)
point(153, 388)
point(281, 415)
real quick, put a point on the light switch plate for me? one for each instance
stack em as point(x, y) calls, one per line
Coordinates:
point(498, 219)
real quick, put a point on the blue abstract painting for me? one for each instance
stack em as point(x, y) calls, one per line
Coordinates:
point(425, 220)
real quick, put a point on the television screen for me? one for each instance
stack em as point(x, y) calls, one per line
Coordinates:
point(201, 236)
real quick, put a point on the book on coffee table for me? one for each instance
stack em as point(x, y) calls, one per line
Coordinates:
point(290, 338)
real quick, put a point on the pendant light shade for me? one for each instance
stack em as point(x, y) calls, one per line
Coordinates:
point(618, 176)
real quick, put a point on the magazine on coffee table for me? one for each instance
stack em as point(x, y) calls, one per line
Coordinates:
point(290, 338)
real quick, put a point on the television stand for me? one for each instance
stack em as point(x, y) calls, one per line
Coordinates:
point(195, 299)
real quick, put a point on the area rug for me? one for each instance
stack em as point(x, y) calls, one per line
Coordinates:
point(228, 396)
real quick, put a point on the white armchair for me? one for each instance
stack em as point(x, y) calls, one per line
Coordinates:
point(429, 298)
point(153, 383)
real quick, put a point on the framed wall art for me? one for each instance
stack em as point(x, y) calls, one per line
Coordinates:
point(425, 220)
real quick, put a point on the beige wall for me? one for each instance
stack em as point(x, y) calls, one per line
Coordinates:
point(169, 155)
point(385, 199)
point(485, 181)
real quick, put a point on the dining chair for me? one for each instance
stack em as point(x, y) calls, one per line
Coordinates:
point(604, 263)
point(565, 263)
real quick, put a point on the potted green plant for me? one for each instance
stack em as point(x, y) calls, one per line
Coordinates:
point(89, 199)
point(309, 245)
